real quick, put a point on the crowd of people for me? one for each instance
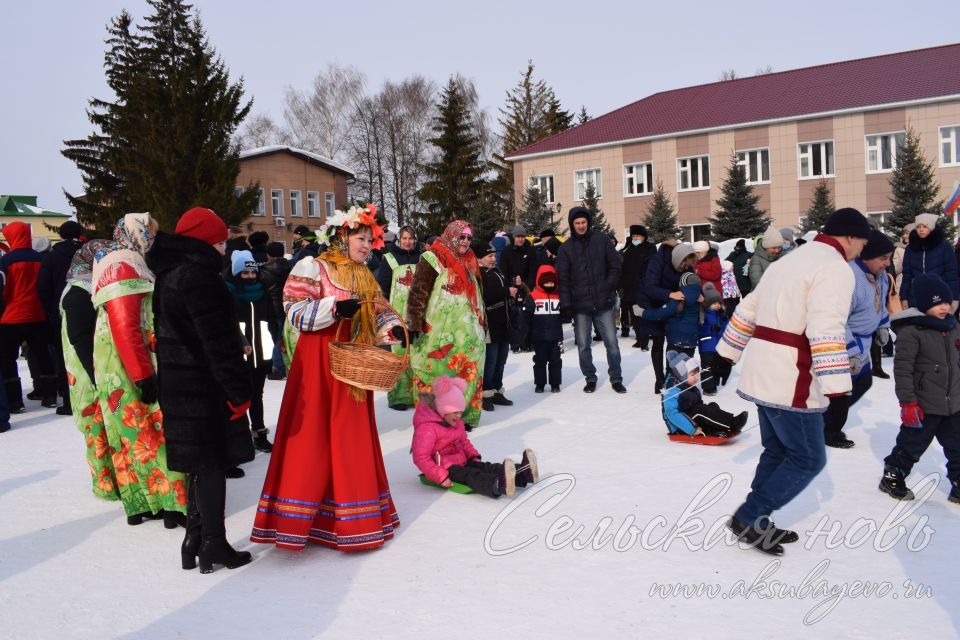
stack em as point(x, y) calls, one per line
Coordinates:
point(128, 331)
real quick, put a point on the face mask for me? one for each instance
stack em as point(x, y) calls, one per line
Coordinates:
point(636, 243)
point(785, 246)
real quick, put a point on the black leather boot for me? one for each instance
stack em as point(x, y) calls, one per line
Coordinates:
point(214, 548)
point(192, 538)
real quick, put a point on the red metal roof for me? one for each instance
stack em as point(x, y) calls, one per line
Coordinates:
point(853, 84)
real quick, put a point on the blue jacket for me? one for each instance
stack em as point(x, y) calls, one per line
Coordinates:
point(868, 312)
point(675, 401)
point(711, 329)
point(682, 328)
point(932, 254)
point(654, 290)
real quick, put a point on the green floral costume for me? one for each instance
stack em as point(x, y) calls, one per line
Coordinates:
point(402, 276)
point(453, 342)
point(88, 416)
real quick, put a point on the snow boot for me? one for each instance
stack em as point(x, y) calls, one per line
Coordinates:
point(260, 442)
point(192, 538)
point(527, 472)
point(538, 388)
point(488, 404)
point(554, 388)
point(138, 518)
point(740, 421)
point(506, 481)
point(235, 472)
point(501, 400)
point(954, 491)
point(894, 483)
point(14, 395)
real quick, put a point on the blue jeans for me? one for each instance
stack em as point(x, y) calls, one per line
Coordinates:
point(495, 361)
point(793, 454)
point(584, 322)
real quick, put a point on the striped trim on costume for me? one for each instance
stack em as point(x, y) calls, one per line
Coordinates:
point(738, 332)
point(829, 354)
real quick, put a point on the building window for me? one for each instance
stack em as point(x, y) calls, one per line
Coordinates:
point(276, 202)
point(815, 159)
point(695, 232)
point(949, 146)
point(877, 219)
point(693, 173)
point(328, 203)
point(582, 178)
point(882, 151)
point(637, 179)
point(756, 165)
point(237, 192)
point(544, 184)
point(295, 206)
point(261, 209)
point(313, 204)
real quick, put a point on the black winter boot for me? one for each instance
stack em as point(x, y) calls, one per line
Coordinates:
point(48, 391)
point(894, 483)
point(954, 491)
point(136, 519)
point(14, 395)
point(501, 400)
point(214, 548)
point(487, 404)
point(174, 519)
point(527, 472)
point(192, 538)
point(260, 442)
point(764, 540)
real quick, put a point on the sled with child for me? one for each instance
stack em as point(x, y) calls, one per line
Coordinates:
point(688, 418)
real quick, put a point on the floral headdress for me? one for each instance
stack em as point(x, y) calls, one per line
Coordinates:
point(349, 220)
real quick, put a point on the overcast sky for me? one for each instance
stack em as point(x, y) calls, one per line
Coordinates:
point(601, 54)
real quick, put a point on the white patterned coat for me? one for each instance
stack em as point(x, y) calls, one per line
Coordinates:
point(794, 324)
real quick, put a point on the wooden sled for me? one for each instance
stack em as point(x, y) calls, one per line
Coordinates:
point(456, 487)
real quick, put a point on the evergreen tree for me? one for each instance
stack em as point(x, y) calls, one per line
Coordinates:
point(557, 119)
point(661, 220)
point(165, 143)
point(913, 188)
point(583, 116)
point(454, 183)
point(821, 206)
point(738, 215)
point(484, 216)
point(598, 222)
point(536, 215)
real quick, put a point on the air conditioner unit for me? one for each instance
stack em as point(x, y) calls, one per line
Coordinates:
point(279, 222)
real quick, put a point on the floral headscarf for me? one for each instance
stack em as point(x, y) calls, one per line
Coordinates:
point(446, 249)
point(81, 267)
point(132, 238)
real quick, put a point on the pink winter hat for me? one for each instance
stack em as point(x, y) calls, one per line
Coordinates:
point(449, 394)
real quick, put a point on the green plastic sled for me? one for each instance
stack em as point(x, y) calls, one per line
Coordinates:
point(456, 487)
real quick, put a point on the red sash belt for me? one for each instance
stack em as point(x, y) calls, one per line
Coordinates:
point(804, 359)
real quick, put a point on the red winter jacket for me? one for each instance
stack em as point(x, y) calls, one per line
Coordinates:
point(708, 270)
point(437, 446)
point(20, 268)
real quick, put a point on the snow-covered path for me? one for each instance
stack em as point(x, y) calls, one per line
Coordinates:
point(70, 566)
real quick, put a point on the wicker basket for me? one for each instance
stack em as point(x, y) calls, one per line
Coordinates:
point(367, 366)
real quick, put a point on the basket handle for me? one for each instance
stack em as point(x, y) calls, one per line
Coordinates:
point(403, 325)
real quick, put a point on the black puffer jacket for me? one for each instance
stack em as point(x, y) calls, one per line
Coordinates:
point(273, 275)
point(926, 367)
point(53, 275)
point(519, 261)
point(200, 361)
point(635, 260)
point(588, 267)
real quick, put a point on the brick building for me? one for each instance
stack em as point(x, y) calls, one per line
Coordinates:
point(840, 122)
point(296, 187)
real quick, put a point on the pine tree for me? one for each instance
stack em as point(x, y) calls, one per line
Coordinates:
point(583, 116)
point(536, 215)
point(821, 206)
point(484, 216)
point(913, 188)
point(557, 119)
point(661, 220)
point(454, 183)
point(598, 222)
point(165, 143)
point(738, 215)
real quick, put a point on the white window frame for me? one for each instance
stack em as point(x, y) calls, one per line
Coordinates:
point(689, 230)
point(950, 135)
point(630, 172)
point(313, 204)
point(827, 161)
point(880, 217)
point(276, 203)
point(876, 146)
point(329, 203)
point(539, 182)
point(745, 163)
point(296, 203)
point(699, 159)
point(580, 180)
point(261, 209)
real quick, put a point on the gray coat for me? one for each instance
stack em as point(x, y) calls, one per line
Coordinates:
point(926, 366)
point(759, 262)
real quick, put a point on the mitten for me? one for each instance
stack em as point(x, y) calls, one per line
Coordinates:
point(347, 308)
point(399, 335)
point(148, 389)
point(638, 311)
point(911, 415)
point(882, 336)
point(855, 365)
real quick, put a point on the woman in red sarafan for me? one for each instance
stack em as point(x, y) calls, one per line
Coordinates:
point(326, 482)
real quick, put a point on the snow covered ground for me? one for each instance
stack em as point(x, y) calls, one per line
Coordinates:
point(469, 566)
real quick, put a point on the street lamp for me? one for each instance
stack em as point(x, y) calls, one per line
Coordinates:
point(558, 207)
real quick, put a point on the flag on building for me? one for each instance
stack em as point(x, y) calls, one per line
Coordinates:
point(953, 202)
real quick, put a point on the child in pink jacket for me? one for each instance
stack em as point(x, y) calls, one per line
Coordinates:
point(444, 454)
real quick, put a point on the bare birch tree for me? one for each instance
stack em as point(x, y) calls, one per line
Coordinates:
point(320, 119)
